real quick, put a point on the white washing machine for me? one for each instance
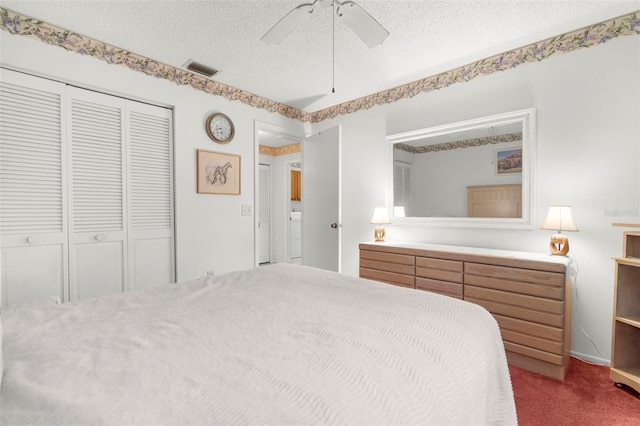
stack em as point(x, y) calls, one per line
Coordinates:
point(295, 233)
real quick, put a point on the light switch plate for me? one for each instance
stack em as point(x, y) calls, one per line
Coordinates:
point(246, 210)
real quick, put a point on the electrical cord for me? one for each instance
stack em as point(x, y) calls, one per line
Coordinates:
point(573, 267)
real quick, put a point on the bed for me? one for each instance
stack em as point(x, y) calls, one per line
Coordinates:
point(276, 345)
point(495, 201)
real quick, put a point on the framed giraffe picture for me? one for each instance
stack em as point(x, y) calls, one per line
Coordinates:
point(218, 173)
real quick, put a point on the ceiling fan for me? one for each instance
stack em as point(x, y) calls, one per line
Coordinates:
point(364, 25)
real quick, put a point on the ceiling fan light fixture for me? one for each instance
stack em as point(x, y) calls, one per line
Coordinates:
point(284, 26)
point(364, 25)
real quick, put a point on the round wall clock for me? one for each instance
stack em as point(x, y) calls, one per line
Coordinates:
point(220, 128)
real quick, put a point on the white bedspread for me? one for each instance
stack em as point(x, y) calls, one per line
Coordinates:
point(277, 345)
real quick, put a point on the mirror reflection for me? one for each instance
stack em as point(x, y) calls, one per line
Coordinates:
point(473, 169)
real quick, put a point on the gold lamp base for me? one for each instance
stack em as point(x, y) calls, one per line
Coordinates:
point(559, 244)
point(379, 234)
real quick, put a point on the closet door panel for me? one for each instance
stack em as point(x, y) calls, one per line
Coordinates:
point(99, 268)
point(32, 188)
point(150, 181)
point(33, 272)
point(150, 261)
point(97, 194)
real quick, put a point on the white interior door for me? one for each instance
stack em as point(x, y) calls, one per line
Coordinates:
point(150, 183)
point(264, 207)
point(321, 177)
point(33, 229)
point(97, 198)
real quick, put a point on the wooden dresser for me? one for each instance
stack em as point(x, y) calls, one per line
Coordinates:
point(529, 294)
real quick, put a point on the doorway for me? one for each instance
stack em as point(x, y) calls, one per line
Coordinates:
point(274, 148)
point(295, 213)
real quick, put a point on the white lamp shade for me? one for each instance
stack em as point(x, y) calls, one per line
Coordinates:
point(380, 216)
point(559, 219)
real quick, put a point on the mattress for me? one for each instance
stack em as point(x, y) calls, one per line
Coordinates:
point(276, 345)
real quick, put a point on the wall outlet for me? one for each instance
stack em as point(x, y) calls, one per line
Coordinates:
point(211, 273)
point(246, 210)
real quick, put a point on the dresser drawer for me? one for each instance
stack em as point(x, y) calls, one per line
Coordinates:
point(520, 301)
point(528, 328)
point(388, 277)
point(542, 284)
point(387, 266)
point(439, 269)
point(442, 287)
point(535, 354)
point(545, 345)
point(387, 258)
point(534, 341)
point(553, 320)
point(391, 268)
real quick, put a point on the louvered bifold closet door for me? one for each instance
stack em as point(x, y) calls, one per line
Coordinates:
point(32, 188)
point(150, 180)
point(97, 207)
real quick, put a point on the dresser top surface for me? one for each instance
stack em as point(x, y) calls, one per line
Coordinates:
point(465, 250)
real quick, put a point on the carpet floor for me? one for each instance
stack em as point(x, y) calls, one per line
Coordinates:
point(586, 397)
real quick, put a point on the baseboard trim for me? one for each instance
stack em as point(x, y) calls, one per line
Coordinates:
point(590, 358)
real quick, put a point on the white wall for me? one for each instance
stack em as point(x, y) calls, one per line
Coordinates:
point(211, 234)
point(588, 136)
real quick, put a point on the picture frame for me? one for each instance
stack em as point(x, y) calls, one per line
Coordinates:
point(508, 160)
point(218, 173)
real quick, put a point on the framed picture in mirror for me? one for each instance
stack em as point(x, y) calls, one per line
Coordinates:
point(508, 160)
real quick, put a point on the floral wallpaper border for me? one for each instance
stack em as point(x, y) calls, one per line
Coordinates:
point(279, 150)
point(585, 37)
point(468, 143)
point(50, 34)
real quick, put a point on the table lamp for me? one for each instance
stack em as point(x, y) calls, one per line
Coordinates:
point(380, 217)
point(559, 219)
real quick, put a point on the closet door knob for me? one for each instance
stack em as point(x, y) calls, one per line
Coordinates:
point(99, 237)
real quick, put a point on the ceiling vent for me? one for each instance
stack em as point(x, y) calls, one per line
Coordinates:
point(200, 69)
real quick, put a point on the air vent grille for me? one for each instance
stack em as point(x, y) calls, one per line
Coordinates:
point(201, 69)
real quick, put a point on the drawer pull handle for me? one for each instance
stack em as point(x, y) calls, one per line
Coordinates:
point(99, 237)
point(31, 240)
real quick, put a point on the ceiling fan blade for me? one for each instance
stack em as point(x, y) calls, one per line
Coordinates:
point(364, 25)
point(284, 26)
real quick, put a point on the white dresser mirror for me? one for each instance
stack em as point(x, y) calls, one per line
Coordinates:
point(474, 173)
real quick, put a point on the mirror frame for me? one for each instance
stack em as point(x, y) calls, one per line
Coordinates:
point(527, 118)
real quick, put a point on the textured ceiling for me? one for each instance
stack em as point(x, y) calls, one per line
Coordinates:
point(427, 37)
